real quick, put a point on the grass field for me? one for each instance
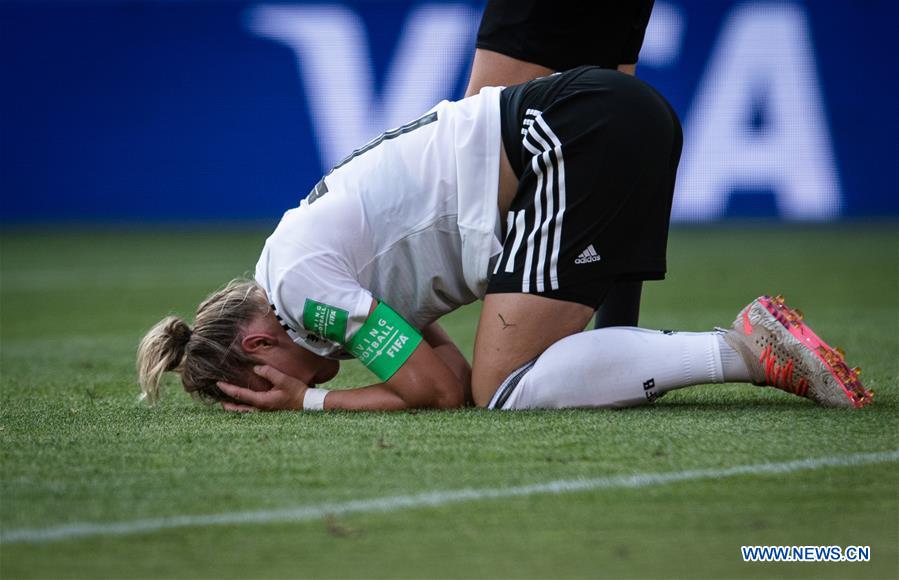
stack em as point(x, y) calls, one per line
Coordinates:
point(79, 449)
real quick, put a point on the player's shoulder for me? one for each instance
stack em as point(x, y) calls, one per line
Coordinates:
point(320, 221)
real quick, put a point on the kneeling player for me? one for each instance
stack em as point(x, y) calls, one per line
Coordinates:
point(537, 198)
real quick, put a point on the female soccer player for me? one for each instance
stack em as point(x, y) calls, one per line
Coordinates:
point(537, 198)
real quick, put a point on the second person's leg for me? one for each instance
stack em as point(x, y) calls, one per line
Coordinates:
point(515, 329)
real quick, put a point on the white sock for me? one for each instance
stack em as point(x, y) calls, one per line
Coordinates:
point(617, 367)
point(735, 369)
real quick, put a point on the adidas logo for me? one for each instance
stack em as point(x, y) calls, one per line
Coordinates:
point(587, 256)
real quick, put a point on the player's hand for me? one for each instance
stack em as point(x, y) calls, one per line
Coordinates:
point(286, 393)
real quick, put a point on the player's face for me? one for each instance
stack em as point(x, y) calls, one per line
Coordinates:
point(280, 352)
point(297, 362)
point(327, 371)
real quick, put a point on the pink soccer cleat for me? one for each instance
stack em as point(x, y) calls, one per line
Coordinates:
point(781, 351)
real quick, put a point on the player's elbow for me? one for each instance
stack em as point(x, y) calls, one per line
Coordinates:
point(428, 386)
point(450, 397)
point(445, 393)
point(437, 399)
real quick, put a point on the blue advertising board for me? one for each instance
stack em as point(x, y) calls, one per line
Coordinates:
point(193, 110)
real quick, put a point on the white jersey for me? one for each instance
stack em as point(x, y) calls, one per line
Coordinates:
point(410, 220)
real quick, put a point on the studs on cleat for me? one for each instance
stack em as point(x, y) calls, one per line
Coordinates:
point(862, 397)
point(841, 352)
point(857, 371)
point(799, 313)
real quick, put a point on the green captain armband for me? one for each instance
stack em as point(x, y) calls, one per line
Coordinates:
point(384, 342)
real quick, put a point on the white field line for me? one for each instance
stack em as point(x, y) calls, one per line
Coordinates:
point(428, 499)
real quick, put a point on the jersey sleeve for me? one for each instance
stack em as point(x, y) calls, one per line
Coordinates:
point(318, 303)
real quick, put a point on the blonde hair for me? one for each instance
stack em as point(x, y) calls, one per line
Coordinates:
point(208, 352)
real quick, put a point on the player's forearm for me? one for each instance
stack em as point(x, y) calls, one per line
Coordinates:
point(382, 397)
point(372, 398)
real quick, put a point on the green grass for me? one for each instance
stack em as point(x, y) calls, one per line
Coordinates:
point(77, 446)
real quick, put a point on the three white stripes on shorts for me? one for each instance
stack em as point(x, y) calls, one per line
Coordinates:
point(543, 144)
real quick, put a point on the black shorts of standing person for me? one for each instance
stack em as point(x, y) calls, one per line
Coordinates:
point(594, 194)
point(520, 40)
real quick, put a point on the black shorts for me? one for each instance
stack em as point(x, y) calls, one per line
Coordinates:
point(596, 154)
point(561, 36)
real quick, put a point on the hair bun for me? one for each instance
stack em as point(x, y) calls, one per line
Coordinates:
point(179, 331)
point(161, 350)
